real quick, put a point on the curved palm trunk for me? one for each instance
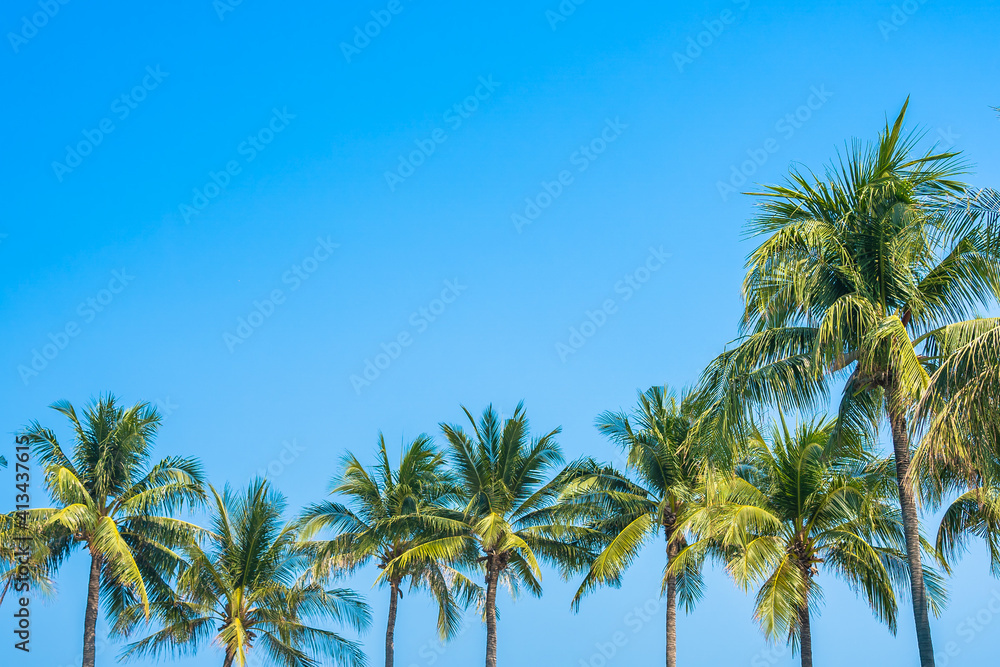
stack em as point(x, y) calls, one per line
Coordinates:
point(228, 662)
point(90, 617)
point(390, 630)
point(805, 636)
point(671, 607)
point(492, 576)
point(911, 529)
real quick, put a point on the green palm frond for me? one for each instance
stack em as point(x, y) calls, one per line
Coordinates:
point(398, 517)
point(114, 500)
point(805, 497)
point(249, 591)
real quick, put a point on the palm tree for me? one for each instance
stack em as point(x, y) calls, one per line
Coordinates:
point(248, 591)
point(664, 469)
point(379, 523)
point(510, 516)
point(116, 505)
point(800, 501)
point(860, 275)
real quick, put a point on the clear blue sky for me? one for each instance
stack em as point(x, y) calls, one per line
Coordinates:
point(605, 121)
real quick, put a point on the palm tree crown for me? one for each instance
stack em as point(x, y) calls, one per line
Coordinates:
point(250, 590)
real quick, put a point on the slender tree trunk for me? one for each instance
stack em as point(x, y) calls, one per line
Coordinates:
point(390, 630)
point(805, 636)
point(911, 526)
point(228, 662)
point(90, 617)
point(671, 607)
point(492, 576)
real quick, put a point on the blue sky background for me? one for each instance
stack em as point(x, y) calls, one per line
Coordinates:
point(686, 126)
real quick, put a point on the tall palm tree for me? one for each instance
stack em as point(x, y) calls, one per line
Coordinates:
point(664, 470)
point(803, 500)
point(111, 501)
point(860, 275)
point(510, 517)
point(381, 520)
point(249, 590)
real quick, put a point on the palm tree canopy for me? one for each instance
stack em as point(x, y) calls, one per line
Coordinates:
point(859, 268)
point(111, 498)
point(509, 491)
point(804, 501)
point(387, 513)
point(664, 467)
point(249, 589)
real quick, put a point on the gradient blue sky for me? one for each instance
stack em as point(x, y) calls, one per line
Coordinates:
point(681, 129)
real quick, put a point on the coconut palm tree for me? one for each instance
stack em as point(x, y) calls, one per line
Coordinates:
point(803, 500)
point(860, 274)
point(663, 474)
point(250, 590)
point(112, 502)
point(381, 520)
point(510, 518)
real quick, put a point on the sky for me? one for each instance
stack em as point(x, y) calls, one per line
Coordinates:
point(294, 225)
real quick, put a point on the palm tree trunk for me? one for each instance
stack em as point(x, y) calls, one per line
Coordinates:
point(805, 636)
point(911, 526)
point(671, 607)
point(390, 629)
point(230, 656)
point(492, 576)
point(90, 617)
